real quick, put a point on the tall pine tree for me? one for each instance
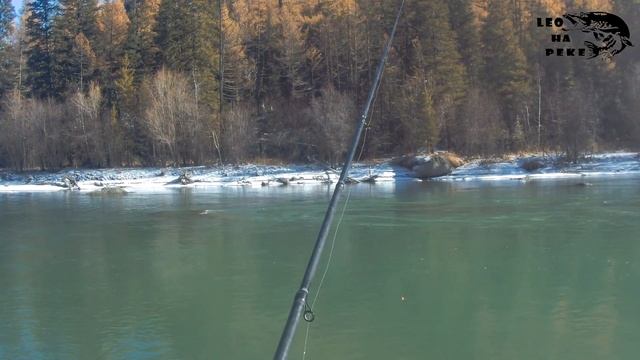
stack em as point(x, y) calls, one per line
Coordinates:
point(438, 61)
point(140, 46)
point(463, 22)
point(75, 33)
point(40, 58)
point(113, 25)
point(191, 46)
point(237, 70)
point(7, 15)
point(505, 69)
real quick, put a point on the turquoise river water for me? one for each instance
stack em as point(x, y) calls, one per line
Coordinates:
point(472, 270)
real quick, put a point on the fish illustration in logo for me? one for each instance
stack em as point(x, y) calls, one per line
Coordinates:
point(610, 32)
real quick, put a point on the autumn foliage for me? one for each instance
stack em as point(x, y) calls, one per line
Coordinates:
point(149, 82)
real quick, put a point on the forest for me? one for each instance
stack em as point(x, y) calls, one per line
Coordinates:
point(88, 83)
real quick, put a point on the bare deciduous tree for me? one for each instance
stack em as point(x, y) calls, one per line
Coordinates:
point(479, 131)
point(332, 116)
point(15, 131)
point(172, 117)
point(85, 129)
point(239, 133)
point(30, 133)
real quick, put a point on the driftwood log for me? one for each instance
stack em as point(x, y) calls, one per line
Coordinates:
point(183, 179)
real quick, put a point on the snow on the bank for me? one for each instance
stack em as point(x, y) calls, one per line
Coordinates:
point(157, 179)
point(594, 165)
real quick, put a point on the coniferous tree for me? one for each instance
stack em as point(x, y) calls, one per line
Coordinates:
point(261, 30)
point(238, 69)
point(191, 46)
point(427, 110)
point(126, 106)
point(75, 35)
point(505, 69)
point(626, 84)
point(140, 46)
point(7, 63)
point(113, 25)
point(290, 49)
point(437, 57)
point(464, 23)
point(7, 14)
point(340, 39)
point(39, 47)
point(140, 61)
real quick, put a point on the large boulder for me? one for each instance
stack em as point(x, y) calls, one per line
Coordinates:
point(282, 181)
point(407, 161)
point(454, 160)
point(431, 166)
point(532, 164)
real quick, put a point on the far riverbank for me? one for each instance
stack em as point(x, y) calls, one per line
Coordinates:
point(514, 168)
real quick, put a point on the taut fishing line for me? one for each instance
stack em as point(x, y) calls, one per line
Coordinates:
point(335, 234)
point(300, 305)
point(326, 269)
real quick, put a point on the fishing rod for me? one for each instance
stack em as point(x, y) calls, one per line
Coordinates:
point(300, 299)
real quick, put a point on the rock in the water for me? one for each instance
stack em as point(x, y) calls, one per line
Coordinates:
point(351, 180)
point(109, 190)
point(371, 179)
point(431, 166)
point(283, 181)
point(584, 184)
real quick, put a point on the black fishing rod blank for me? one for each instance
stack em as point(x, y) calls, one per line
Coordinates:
point(299, 305)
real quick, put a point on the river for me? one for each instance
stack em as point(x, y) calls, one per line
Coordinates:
point(420, 270)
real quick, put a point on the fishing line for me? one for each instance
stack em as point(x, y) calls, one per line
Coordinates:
point(300, 304)
point(335, 234)
point(326, 269)
point(306, 340)
point(346, 203)
point(333, 244)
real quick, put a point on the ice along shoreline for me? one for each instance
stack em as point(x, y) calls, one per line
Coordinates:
point(161, 179)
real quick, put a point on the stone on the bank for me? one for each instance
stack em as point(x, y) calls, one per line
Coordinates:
point(426, 167)
point(530, 165)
